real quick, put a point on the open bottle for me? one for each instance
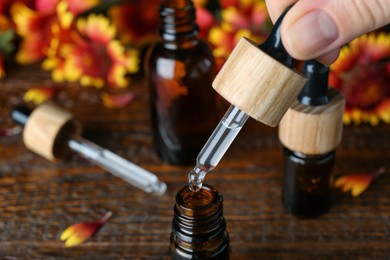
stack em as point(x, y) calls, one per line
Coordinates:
point(198, 226)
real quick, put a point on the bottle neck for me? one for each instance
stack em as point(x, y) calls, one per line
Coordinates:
point(178, 25)
point(314, 157)
point(198, 224)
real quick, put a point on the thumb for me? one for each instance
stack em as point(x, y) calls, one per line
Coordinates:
point(314, 28)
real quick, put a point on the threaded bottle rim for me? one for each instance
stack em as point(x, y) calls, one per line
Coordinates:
point(198, 227)
point(198, 204)
point(177, 19)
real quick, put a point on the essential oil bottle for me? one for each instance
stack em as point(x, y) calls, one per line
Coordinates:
point(180, 69)
point(310, 131)
point(198, 226)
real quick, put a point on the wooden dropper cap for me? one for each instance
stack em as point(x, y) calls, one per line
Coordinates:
point(260, 80)
point(313, 125)
point(47, 129)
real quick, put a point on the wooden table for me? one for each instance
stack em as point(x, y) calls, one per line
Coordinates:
point(39, 199)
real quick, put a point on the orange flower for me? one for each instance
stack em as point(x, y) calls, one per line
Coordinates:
point(136, 22)
point(38, 95)
point(78, 233)
point(34, 25)
point(240, 18)
point(92, 55)
point(357, 183)
point(362, 74)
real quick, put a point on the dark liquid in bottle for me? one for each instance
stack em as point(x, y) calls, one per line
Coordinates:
point(183, 103)
point(307, 189)
point(181, 69)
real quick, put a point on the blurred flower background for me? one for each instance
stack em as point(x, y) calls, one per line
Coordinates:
point(101, 43)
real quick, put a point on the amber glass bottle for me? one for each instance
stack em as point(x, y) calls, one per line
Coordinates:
point(307, 190)
point(310, 132)
point(180, 69)
point(198, 226)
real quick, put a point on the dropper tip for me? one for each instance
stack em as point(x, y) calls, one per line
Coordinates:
point(194, 187)
point(158, 188)
point(195, 180)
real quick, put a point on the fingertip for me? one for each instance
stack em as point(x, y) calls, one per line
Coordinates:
point(276, 8)
point(329, 57)
point(309, 35)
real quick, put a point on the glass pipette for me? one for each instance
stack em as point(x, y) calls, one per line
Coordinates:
point(216, 146)
point(102, 157)
point(117, 165)
point(234, 119)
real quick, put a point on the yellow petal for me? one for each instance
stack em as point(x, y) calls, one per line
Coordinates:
point(348, 186)
point(340, 182)
point(75, 240)
point(359, 189)
point(67, 233)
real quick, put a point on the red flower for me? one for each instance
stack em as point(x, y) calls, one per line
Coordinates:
point(204, 18)
point(362, 74)
point(34, 24)
point(136, 22)
point(86, 51)
point(240, 18)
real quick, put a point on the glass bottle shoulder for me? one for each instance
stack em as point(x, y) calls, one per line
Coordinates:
point(174, 51)
point(193, 62)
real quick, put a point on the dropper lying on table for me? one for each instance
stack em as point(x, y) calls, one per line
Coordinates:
point(52, 132)
point(259, 81)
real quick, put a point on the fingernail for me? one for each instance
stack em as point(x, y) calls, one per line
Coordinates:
point(311, 34)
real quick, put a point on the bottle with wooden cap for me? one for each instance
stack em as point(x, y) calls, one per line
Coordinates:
point(310, 131)
point(198, 226)
point(180, 69)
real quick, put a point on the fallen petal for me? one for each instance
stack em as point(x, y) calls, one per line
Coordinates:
point(80, 232)
point(38, 95)
point(357, 183)
point(117, 100)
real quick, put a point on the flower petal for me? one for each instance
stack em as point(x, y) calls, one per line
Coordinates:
point(117, 100)
point(38, 95)
point(80, 232)
point(361, 73)
point(357, 183)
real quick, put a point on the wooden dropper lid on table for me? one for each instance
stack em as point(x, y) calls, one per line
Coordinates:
point(53, 133)
point(47, 129)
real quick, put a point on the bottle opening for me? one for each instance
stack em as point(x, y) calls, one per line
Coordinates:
point(204, 201)
point(198, 226)
point(196, 200)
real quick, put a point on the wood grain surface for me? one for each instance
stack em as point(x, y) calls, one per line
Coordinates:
point(258, 84)
point(39, 199)
point(322, 126)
